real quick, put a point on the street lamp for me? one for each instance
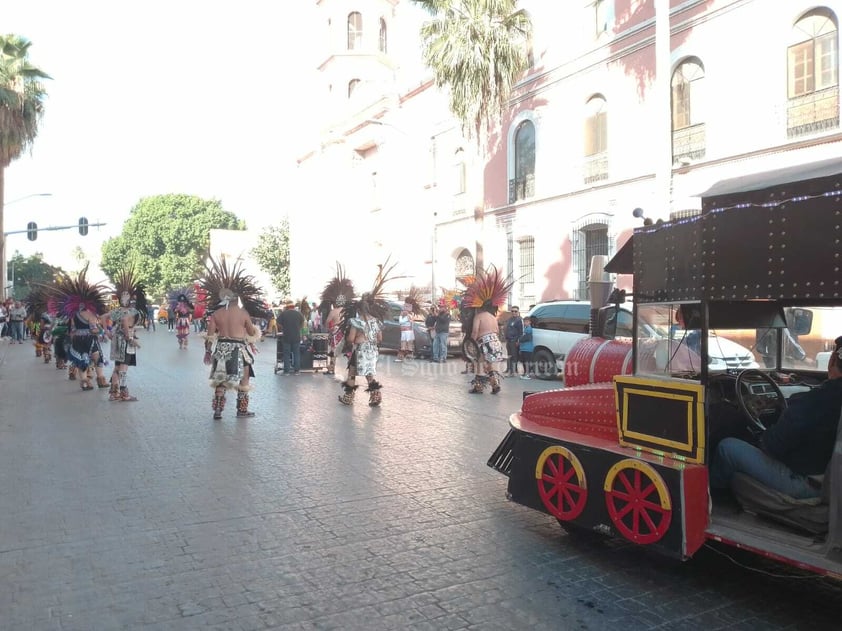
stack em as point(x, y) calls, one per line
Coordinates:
point(3, 275)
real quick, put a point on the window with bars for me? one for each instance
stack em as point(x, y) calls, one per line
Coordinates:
point(355, 31)
point(588, 241)
point(527, 270)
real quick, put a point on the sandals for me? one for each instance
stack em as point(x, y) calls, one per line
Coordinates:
point(85, 385)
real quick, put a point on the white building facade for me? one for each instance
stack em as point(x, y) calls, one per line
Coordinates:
point(591, 135)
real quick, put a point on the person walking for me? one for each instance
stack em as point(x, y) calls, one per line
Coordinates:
point(290, 324)
point(442, 330)
point(124, 342)
point(513, 333)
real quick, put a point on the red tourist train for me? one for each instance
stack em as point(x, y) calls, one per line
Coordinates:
point(624, 448)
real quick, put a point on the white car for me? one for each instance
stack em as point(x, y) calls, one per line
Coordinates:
point(558, 325)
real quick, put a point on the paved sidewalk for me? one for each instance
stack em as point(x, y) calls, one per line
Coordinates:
point(311, 515)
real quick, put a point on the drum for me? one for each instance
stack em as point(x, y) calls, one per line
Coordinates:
point(320, 344)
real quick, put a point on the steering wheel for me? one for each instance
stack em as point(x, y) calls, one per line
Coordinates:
point(753, 405)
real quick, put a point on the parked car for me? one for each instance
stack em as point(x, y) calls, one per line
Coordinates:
point(559, 324)
point(392, 333)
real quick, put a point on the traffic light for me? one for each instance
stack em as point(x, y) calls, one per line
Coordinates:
point(83, 226)
point(32, 231)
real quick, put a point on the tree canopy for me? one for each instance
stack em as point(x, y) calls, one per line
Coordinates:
point(167, 237)
point(477, 49)
point(272, 254)
point(21, 98)
point(31, 269)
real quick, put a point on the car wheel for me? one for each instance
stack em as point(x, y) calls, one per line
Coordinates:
point(545, 365)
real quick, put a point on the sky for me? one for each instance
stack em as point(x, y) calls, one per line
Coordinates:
point(207, 98)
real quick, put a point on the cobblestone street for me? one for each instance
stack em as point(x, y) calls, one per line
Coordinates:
point(312, 515)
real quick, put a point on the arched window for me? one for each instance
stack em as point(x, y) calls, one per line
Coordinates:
point(813, 74)
point(524, 160)
point(465, 268)
point(596, 126)
point(355, 31)
point(687, 94)
point(813, 57)
point(383, 38)
point(352, 85)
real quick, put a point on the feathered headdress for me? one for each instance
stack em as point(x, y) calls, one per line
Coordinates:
point(413, 300)
point(225, 284)
point(37, 301)
point(372, 302)
point(180, 294)
point(304, 308)
point(338, 292)
point(488, 292)
point(70, 294)
point(126, 282)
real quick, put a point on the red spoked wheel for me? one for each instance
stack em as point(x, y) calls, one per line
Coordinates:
point(561, 482)
point(638, 501)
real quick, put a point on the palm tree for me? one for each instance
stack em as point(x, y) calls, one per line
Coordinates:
point(477, 49)
point(21, 105)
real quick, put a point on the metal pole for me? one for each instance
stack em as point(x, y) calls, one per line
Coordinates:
point(3, 274)
point(663, 109)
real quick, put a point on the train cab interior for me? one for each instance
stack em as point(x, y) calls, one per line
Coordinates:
point(790, 344)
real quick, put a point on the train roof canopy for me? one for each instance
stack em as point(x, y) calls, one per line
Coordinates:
point(770, 236)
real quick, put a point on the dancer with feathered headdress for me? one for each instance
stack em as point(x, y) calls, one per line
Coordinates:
point(229, 345)
point(181, 309)
point(124, 319)
point(338, 292)
point(361, 323)
point(82, 303)
point(482, 299)
point(36, 303)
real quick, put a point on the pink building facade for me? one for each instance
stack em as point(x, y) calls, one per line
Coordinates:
point(592, 133)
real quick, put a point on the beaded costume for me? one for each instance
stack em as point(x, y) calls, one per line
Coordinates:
point(231, 360)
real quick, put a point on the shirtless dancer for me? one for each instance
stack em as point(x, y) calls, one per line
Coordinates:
point(229, 351)
point(485, 296)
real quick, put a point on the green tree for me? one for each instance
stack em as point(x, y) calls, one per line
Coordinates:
point(31, 269)
point(80, 256)
point(21, 106)
point(272, 255)
point(477, 50)
point(166, 237)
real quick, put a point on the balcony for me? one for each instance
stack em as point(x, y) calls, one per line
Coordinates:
point(813, 113)
point(521, 188)
point(595, 168)
point(688, 143)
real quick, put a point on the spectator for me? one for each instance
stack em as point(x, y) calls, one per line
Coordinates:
point(525, 348)
point(514, 331)
point(17, 314)
point(290, 324)
point(442, 330)
point(151, 316)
